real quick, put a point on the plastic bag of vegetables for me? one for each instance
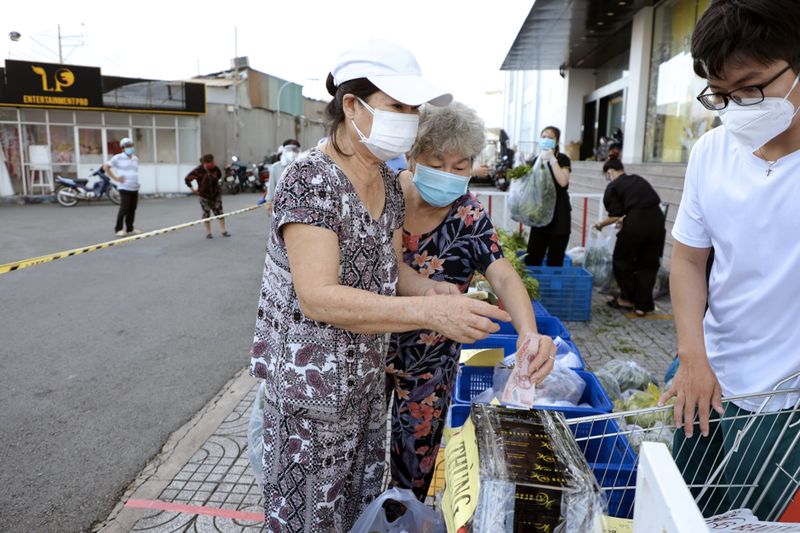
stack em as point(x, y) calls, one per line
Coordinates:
point(645, 400)
point(630, 374)
point(609, 383)
point(532, 197)
point(565, 354)
point(658, 433)
point(598, 258)
point(562, 384)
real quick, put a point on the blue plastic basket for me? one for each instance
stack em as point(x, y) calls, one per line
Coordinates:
point(539, 309)
point(567, 260)
point(545, 325)
point(473, 380)
point(565, 292)
point(458, 415)
point(612, 461)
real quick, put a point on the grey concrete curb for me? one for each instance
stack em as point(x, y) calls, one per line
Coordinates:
point(179, 448)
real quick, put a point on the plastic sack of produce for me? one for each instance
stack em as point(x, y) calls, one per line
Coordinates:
point(644, 401)
point(562, 385)
point(417, 518)
point(598, 258)
point(609, 383)
point(576, 255)
point(532, 197)
point(255, 439)
point(565, 355)
point(630, 374)
point(658, 433)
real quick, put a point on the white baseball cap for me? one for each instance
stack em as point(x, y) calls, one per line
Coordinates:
point(392, 68)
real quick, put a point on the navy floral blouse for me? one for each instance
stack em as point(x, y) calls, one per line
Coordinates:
point(421, 365)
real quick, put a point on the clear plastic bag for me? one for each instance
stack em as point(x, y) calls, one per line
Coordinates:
point(565, 355)
point(255, 439)
point(609, 383)
point(630, 374)
point(418, 517)
point(598, 258)
point(532, 198)
point(658, 433)
point(562, 385)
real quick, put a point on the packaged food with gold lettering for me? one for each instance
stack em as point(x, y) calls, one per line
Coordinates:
point(520, 470)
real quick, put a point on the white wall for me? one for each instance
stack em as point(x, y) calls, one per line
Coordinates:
point(578, 83)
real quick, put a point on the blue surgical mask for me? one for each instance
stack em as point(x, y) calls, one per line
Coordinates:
point(437, 187)
point(129, 151)
point(546, 144)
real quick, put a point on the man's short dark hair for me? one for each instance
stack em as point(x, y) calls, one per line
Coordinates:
point(732, 31)
point(291, 142)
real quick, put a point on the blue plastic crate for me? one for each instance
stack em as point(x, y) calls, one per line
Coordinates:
point(545, 325)
point(539, 309)
point(612, 461)
point(565, 292)
point(458, 415)
point(473, 380)
point(509, 345)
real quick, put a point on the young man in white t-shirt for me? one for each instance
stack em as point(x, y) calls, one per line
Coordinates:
point(127, 166)
point(741, 196)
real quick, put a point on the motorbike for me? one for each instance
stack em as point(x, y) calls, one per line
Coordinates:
point(263, 170)
point(69, 191)
point(235, 176)
point(606, 144)
point(498, 174)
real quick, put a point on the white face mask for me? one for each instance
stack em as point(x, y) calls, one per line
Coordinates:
point(756, 125)
point(392, 134)
point(288, 156)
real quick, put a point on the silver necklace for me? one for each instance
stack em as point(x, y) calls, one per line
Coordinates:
point(769, 163)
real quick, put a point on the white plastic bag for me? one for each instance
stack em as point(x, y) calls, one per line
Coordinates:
point(418, 517)
point(532, 198)
point(562, 385)
point(255, 439)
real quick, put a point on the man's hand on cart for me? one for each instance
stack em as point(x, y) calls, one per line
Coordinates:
point(695, 385)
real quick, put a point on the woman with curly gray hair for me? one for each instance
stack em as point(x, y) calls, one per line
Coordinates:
point(447, 236)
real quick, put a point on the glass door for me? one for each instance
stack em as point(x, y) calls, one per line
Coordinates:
point(90, 150)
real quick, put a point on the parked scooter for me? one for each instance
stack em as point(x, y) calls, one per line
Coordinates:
point(235, 176)
point(69, 191)
point(263, 170)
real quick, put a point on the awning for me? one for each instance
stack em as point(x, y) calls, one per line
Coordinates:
point(573, 33)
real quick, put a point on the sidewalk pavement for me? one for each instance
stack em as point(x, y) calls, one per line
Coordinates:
point(202, 481)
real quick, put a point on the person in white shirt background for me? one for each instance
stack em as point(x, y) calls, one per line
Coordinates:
point(127, 165)
point(740, 196)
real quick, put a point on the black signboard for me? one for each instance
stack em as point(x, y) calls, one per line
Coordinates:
point(53, 85)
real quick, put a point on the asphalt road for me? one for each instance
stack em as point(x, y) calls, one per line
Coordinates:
point(105, 354)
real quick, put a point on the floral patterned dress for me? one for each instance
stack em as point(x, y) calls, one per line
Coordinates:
point(324, 417)
point(422, 365)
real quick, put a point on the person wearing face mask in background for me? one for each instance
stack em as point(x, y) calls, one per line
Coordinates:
point(127, 165)
point(335, 287)
point(741, 196)
point(640, 242)
point(207, 175)
point(447, 236)
point(289, 151)
point(554, 237)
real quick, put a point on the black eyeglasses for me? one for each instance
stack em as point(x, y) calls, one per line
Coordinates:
point(745, 96)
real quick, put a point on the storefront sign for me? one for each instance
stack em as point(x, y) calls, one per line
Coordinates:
point(52, 85)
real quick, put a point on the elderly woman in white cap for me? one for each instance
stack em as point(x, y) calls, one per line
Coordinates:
point(447, 236)
point(328, 297)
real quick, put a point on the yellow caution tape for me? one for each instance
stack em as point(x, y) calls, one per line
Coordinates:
point(10, 267)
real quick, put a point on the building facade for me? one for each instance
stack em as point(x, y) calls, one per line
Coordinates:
point(68, 120)
point(595, 67)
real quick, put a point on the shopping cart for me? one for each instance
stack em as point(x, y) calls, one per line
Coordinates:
point(756, 465)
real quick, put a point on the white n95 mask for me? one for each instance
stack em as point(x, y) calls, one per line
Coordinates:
point(755, 125)
point(392, 134)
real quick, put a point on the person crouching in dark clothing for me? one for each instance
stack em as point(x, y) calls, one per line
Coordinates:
point(640, 242)
point(207, 175)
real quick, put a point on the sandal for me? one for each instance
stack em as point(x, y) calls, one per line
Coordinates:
point(616, 305)
point(640, 313)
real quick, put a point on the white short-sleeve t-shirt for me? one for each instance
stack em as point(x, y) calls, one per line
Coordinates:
point(127, 168)
point(752, 329)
